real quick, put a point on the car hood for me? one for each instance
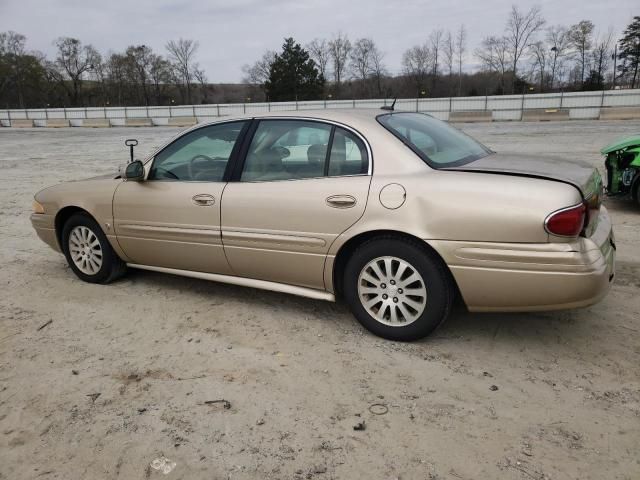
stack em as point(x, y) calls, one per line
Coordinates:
point(621, 144)
point(579, 174)
point(113, 175)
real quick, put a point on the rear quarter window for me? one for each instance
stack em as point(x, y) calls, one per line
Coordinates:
point(436, 142)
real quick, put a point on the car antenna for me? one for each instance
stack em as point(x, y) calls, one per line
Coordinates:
point(131, 142)
point(390, 107)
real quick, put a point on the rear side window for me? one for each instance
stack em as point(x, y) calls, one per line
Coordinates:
point(287, 150)
point(299, 149)
point(436, 142)
point(348, 155)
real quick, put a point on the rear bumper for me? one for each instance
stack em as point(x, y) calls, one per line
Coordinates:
point(44, 226)
point(532, 277)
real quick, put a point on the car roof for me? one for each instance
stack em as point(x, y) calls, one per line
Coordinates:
point(354, 117)
point(363, 120)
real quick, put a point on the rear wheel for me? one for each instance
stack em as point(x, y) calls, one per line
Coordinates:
point(88, 251)
point(397, 289)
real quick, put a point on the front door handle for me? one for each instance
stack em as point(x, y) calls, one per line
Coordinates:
point(203, 199)
point(341, 201)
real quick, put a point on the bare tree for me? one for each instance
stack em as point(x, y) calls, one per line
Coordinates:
point(494, 56)
point(201, 78)
point(72, 62)
point(540, 56)
point(258, 73)
point(581, 36)
point(461, 50)
point(417, 63)
point(378, 69)
point(558, 40)
point(140, 58)
point(115, 67)
point(435, 39)
point(99, 74)
point(339, 48)
point(449, 51)
point(160, 75)
point(601, 54)
point(320, 53)
point(181, 54)
point(360, 58)
point(521, 27)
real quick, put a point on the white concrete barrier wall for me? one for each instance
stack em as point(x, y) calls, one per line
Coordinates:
point(582, 105)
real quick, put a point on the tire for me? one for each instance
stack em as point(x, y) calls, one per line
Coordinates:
point(405, 314)
point(88, 251)
point(635, 189)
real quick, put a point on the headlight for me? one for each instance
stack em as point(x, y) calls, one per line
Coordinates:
point(37, 208)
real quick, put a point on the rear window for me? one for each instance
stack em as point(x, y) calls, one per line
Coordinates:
point(436, 142)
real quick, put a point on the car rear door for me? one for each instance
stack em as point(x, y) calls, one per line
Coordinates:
point(172, 219)
point(298, 185)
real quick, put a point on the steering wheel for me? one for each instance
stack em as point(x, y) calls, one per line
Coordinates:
point(194, 160)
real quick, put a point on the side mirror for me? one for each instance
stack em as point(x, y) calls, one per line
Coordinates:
point(134, 171)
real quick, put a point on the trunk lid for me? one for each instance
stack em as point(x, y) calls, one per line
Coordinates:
point(579, 174)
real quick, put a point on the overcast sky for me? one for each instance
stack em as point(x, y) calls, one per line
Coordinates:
point(232, 33)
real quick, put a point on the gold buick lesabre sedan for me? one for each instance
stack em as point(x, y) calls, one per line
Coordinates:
point(396, 213)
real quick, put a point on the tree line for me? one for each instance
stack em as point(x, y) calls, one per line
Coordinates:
point(80, 76)
point(529, 56)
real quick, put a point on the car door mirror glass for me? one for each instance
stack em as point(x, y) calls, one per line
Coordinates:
point(134, 171)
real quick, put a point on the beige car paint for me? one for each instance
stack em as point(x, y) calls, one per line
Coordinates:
point(93, 195)
point(282, 230)
point(488, 228)
point(159, 223)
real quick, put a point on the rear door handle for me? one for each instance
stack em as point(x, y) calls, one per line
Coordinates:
point(203, 199)
point(341, 201)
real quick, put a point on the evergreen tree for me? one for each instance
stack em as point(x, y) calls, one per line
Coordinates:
point(293, 75)
point(630, 50)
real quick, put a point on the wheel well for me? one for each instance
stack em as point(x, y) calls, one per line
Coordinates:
point(352, 244)
point(62, 217)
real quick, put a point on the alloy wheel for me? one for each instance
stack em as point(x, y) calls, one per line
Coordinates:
point(392, 291)
point(85, 250)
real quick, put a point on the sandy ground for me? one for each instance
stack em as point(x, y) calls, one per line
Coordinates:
point(122, 374)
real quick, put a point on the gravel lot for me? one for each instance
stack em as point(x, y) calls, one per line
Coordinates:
point(122, 374)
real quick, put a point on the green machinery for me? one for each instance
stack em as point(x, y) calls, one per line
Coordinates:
point(623, 167)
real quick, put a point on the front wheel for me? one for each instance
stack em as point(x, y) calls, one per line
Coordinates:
point(398, 289)
point(88, 251)
point(635, 189)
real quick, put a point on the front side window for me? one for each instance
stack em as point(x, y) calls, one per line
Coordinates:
point(436, 142)
point(199, 156)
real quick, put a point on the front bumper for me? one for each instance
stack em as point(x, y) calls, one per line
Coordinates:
point(44, 226)
point(531, 277)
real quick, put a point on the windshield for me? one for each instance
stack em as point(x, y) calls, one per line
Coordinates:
point(437, 143)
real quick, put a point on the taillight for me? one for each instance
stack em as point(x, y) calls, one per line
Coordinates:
point(568, 222)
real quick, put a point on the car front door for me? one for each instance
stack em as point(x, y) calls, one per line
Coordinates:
point(172, 218)
point(301, 184)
